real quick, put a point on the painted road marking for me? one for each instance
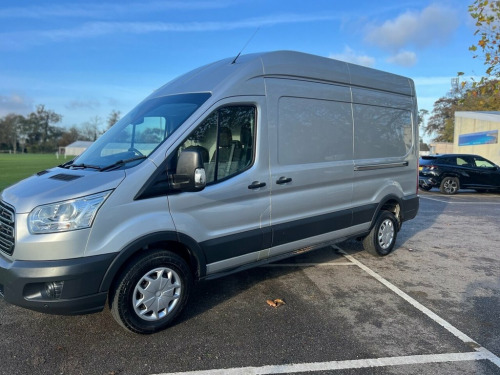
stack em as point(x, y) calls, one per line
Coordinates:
point(480, 352)
point(309, 264)
point(458, 202)
point(443, 323)
point(341, 365)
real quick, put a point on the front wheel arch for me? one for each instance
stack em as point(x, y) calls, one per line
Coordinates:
point(180, 244)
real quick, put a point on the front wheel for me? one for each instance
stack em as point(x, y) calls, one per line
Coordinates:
point(151, 292)
point(382, 237)
point(449, 185)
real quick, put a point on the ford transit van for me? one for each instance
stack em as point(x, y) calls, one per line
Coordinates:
point(232, 165)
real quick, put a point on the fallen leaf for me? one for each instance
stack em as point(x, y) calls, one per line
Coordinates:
point(271, 303)
point(279, 302)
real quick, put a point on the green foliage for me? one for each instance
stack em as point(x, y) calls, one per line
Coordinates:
point(442, 120)
point(15, 167)
point(487, 16)
point(38, 133)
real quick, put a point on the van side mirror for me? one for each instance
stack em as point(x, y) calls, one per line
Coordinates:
point(190, 175)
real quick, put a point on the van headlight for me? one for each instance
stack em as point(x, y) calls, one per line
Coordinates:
point(65, 216)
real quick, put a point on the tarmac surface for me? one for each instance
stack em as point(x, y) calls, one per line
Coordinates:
point(432, 306)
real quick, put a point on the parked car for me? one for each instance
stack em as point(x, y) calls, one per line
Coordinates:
point(452, 172)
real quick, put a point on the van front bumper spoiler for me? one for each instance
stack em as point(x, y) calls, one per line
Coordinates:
point(63, 287)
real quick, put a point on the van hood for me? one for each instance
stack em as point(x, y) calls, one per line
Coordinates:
point(59, 184)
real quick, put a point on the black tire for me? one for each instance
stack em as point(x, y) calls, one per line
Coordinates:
point(162, 280)
point(449, 185)
point(382, 237)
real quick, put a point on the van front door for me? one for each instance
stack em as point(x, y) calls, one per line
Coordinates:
point(230, 218)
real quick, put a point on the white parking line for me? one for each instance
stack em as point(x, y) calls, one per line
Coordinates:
point(458, 202)
point(480, 352)
point(443, 323)
point(340, 365)
point(330, 264)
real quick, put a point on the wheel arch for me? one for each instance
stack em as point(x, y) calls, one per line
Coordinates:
point(449, 174)
point(182, 245)
point(391, 203)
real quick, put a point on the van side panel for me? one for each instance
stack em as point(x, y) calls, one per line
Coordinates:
point(385, 146)
point(310, 130)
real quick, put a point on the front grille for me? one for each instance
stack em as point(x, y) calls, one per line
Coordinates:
point(7, 228)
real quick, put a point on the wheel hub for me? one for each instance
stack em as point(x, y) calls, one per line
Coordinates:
point(156, 294)
point(386, 234)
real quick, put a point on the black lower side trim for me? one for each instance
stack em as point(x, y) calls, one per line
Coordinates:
point(239, 244)
point(310, 227)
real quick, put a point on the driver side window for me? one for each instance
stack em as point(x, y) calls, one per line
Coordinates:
point(225, 140)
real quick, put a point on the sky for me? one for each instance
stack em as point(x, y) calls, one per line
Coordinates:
point(84, 59)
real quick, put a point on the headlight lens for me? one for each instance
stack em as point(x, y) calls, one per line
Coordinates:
point(65, 216)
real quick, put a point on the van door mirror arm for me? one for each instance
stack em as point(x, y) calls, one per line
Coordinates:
point(190, 173)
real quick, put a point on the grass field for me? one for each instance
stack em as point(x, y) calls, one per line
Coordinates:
point(15, 167)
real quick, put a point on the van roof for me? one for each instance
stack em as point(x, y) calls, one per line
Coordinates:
point(245, 76)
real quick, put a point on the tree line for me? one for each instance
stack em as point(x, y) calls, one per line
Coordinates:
point(39, 132)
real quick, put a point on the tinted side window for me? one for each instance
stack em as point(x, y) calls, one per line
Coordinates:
point(483, 163)
point(381, 132)
point(226, 141)
point(313, 131)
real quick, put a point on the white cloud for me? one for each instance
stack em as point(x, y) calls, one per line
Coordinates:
point(108, 10)
point(434, 24)
point(349, 55)
point(22, 39)
point(15, 103)
point(403, 58)
point(90, 104)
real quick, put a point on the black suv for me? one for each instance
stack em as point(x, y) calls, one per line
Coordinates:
point(454, 171)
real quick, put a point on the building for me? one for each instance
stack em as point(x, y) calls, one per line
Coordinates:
point(75, 148)
point(477, 133)
point(439, 148)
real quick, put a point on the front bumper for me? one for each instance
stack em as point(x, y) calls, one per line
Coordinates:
point(427, 182)
point(24, 283)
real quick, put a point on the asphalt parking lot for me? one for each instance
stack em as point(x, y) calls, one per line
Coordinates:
point(431, 307)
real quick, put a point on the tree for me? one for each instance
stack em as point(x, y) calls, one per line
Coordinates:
point(90, 130)
point(463, 98)
point(113, 118)
point(39, 131)
point(487, 16)
point(9, 131)
point(69, 136)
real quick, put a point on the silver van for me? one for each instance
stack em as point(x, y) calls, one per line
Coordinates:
point(235, 164)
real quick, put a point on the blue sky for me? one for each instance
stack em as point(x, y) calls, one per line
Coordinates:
point(84, 59)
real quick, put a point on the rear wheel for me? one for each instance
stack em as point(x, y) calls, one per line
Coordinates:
point(449, 185)
point(382, 237)
point(151, 292)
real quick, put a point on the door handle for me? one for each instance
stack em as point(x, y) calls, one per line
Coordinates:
point(256, 185)
point(283, 180)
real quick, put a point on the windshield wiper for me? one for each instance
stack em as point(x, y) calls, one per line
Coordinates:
point(83, 166)
point(119, 163)
point(66, 165)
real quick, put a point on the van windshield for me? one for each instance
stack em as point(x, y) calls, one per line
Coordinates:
point(139, 133)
